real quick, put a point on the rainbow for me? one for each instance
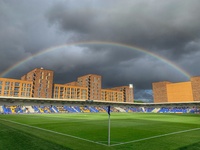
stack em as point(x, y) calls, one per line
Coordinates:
point(162, 59)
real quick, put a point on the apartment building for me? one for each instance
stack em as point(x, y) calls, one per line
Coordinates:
point(93, 83)
point(165, 91)
point(74, 83)
point(111, 95)
point(15, 88)
point(39, 83)
point(62, 91)
point(128, 95)
point(42, 80)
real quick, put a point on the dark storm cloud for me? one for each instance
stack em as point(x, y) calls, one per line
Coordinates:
point(168, 28)
point(23, 31)
point(157, 25)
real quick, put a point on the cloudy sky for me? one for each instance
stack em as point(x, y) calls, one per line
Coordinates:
point(88, 36)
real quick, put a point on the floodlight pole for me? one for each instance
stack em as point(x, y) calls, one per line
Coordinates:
point(108, 130)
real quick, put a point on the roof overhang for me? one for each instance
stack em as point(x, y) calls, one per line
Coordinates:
point(91, 102)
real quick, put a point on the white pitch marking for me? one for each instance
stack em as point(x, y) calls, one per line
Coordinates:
point(55, 132)
point(153, 137)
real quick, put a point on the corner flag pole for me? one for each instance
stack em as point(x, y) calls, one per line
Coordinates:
point(108, 125)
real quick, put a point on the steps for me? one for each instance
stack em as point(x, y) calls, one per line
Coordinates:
point(1, 109)
point(120, 109)
point(30, 109)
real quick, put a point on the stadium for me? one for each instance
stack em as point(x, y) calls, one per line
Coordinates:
point(37, 113)
point(46, 123)
point(99, 75)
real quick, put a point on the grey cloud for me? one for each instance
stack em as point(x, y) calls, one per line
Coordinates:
point(168, 28)
point(152, 24)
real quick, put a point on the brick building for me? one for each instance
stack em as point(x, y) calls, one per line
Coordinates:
point(195, 81)
point(127, 91)
point(177, 92)
point(39, 83)
point(42, 82)
point(111, 95)
point(69, 92)
point(93, 83)
point(160, 91)
point(15, 88)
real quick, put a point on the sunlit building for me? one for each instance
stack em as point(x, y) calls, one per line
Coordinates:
point(93, 83)
point(62, 91)
point(38, 83)
point(74, 83)
point(42, 80)
point(128, 95)
point(177, 92)
point(111, 95)
point(15, 88)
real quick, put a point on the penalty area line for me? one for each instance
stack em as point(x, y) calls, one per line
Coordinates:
point(68, 135)
point(157, 136)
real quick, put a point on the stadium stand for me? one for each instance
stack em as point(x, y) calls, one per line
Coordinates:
point(100, 109)
point(120, 109)
point(1, 109)
point(54, 108)
point(94, 109)
point(84, 109)
point(61, 109)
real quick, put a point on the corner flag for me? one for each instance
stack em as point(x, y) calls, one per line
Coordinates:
point(108, 125)
point(108, 110)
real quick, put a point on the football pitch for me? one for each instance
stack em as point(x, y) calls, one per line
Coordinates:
point(88, 131)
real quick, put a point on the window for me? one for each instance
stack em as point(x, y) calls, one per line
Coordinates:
point(5, 92)
point(46, 94)
point(23, 88)
point(16, 89)
point(15, 93)
point(23, 94)
point(17, 83)
point(40, 85)
point(6, 87)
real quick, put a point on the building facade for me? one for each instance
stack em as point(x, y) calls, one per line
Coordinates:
point(93, 83)
point(42, 80)
point(69, 92)
point(111, 95)
point(38, 83)
point(160, 91)
point(195, 81)
point(127, 91)
point(177, 92)
point(74, 83)
point(15, 88)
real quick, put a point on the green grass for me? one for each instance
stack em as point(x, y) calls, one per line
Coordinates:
point(89, 131)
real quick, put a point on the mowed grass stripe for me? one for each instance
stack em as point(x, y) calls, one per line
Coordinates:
point(14, 139)
point(124, 127)
point(54, 132)
point(158, 136)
